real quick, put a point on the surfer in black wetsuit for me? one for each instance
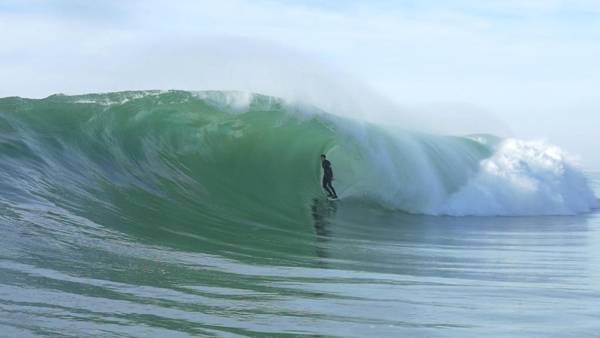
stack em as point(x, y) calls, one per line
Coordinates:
point(327, 177)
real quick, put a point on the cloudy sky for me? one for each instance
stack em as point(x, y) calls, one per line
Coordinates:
point(527, 68)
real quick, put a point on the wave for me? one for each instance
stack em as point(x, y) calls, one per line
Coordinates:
point(218, 155)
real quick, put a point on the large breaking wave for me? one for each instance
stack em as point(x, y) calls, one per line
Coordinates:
point(210, 154)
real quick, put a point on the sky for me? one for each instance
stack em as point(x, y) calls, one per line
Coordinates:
point(526, 68)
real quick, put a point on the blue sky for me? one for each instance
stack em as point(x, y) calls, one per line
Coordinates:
point(530, 66)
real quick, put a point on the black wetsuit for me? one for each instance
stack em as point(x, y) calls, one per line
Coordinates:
point(327, 178)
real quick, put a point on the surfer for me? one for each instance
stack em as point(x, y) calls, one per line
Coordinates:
point(327, 177)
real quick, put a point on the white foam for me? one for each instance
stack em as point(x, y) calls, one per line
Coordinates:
point(439, 175)
point(119, 98)
point(235, 101)
point(523, 178)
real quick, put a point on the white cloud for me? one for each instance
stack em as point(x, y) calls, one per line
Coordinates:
point(522, 60)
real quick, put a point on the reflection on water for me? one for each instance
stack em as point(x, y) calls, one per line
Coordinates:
point(322, 211)
point(355, 272)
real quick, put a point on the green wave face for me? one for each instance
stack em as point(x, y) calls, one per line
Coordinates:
point(161, 164)
point(158, 165)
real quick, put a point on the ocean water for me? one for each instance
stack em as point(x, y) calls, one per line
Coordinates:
point(176, 214)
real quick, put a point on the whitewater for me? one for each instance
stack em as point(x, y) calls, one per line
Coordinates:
point(185, 213)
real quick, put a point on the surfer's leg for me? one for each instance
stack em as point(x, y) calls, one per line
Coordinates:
point(327, 182)
point(331, 187)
